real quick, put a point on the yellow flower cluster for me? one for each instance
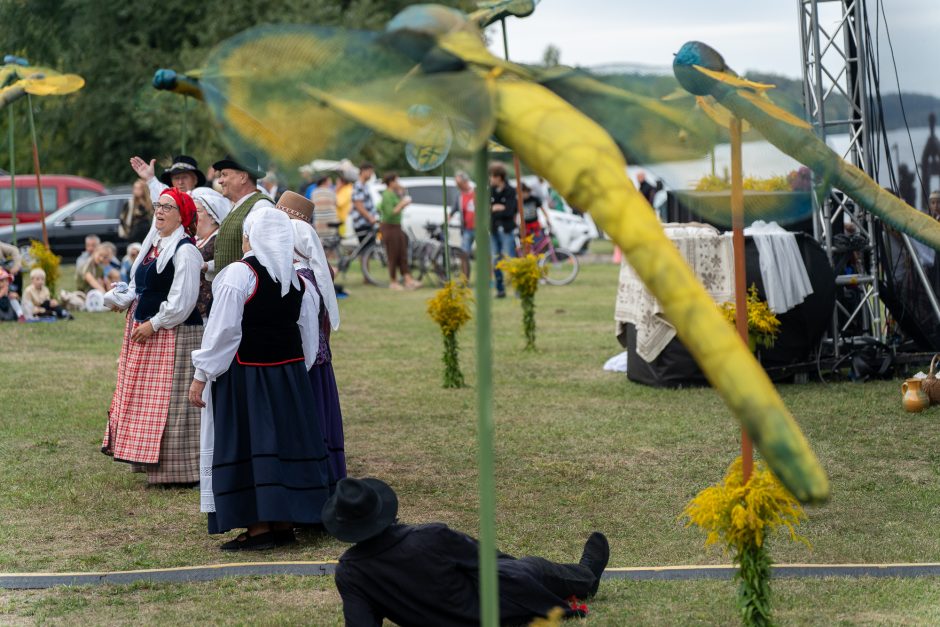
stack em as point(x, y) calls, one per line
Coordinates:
point(524, 273)
point(450, 306)
point(47, 260)
point(743, 515)
point(762, 325)
point(712, 183)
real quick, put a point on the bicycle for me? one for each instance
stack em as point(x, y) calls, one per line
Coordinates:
point(425, 259)
point(344, 255)
point(561, 265)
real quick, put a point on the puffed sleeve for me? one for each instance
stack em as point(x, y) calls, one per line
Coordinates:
point(121, 300)
point(309, 323)
point(155, 186)
point(184, 291)
point(223, 333)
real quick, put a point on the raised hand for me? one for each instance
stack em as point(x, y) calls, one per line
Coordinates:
point(142, 168)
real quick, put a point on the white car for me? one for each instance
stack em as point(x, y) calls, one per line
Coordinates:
point(573, 232)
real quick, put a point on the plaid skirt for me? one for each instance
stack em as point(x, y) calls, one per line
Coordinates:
point(150, 421)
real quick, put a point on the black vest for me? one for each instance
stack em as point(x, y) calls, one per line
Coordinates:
point(153, 288)
point(270, 334)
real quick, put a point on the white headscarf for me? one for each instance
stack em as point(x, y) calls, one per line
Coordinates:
point(215, 203)
point(307, 246)
point(169, 247)
point(272, 241)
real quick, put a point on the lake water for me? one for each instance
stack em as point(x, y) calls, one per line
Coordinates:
point(762, 159)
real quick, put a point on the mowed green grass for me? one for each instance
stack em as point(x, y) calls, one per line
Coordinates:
point(577, 449)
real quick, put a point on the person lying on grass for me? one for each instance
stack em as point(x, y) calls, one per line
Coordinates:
point(428, 574)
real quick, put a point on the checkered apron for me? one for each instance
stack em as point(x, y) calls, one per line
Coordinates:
point(179, 448)
point(150, 395)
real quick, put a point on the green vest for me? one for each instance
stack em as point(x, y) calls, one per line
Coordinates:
point(228, 242)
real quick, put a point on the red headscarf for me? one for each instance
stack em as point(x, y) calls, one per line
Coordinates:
point(186, 206)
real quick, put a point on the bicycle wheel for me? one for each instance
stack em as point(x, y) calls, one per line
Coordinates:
point(375, 265)
point(561, 266)
point(459, 265)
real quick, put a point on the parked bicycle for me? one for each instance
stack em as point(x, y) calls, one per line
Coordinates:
point(561, 265)
point(425, 258)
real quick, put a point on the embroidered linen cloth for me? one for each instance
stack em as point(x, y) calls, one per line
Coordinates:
point(786, 282)
point(711, 259)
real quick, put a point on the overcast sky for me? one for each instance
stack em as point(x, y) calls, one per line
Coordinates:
point(751, 34)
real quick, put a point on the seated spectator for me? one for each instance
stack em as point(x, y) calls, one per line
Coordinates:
point(427, 574)
point(10, 308)
point(113, 262)
point(91, 274)
point(37, 301)
point(91, 243)
point(132, 251)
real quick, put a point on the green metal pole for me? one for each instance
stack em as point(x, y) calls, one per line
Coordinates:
point(489, 591)
point(446, 224)
point(42, 208)
point(12, 175)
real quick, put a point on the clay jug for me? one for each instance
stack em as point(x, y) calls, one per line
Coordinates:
point(914, 398)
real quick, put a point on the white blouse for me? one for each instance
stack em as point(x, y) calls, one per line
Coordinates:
point(231, 288)
point(184, 290)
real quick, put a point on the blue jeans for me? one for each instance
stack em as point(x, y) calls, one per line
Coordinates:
point(466, 240)
point(504, 245)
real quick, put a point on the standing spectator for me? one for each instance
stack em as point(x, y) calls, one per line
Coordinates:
point(270, 187)
point(503, 205)
point(183, 175)
point(91, 243)
point(37, 301)
point(324, 201)
point(137, 215)
point(344, 189)
point(149, 421)
point(264, 460)
point(133, 249)
point(933, 204)
point(465, 205)
point(394, 199)
point(531, 205)
point(211, 209)
point(364, 216)
point(644, 186)
point(239, 181)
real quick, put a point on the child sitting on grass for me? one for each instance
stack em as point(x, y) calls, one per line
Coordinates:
point(10, 309)
point(37, 301)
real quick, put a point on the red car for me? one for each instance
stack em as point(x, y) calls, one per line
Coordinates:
point(57, 190)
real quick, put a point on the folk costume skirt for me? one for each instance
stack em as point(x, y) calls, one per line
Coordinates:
point(269, 459)
point(323, 384)
point(150, 421)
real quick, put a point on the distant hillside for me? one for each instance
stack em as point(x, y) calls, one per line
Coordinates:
point(789, 94)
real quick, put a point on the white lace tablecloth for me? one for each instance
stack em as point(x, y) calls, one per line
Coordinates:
point(711, 258)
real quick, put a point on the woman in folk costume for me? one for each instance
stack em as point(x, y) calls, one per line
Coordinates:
point(211, 209)
point(263, 459)
point(149, 422)
point(310, 263)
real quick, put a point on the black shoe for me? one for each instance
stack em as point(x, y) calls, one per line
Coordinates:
point(595, 557)
point(245, 542)
point(500, 294)
point(283, 537)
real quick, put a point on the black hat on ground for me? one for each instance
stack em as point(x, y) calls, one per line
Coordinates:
point(249, 164)
point(181, 165)
point(359, 509)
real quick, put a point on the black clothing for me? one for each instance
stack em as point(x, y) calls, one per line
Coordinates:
point(428, 575)
point(507, 218)
point(153, 287)
point(7, 313)
point(648, 191)
point(270, 334)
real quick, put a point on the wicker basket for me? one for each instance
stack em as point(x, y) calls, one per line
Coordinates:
point(931, 385)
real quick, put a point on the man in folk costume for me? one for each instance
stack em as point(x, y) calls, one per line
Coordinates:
point(239, 183)
point(183, 175)
point(149, 421)
point(263, 457)
point(428, 574)
point(310, 262)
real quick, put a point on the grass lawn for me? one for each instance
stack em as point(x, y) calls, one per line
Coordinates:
point(577, 449)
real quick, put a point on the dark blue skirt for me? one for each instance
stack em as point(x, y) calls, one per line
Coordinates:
point(270, 462)
point(323, 384)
